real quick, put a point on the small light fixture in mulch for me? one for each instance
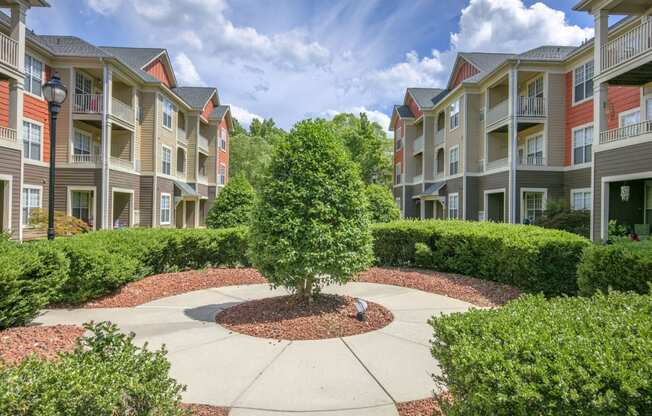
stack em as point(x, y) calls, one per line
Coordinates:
point(361, 306)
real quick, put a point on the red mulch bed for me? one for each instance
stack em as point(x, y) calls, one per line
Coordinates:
point(206, 410)
point(469, 289)
point(288, 317)
point(425, 407)
point(16, 344)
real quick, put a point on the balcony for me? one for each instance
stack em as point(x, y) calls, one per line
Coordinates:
point(626, 47)
point(531, 107)
point(439, 137)
point(87, 159)
point(203, 143)
point(88, 104)
point(627, 132)
point(121, 110)
point(417, 178)
point(122, 163)
point(418, 145)
point(497, 164)
point(532, 161)
point(8, 135)
point(498, 112)
point(8, 51)
point(181, 136)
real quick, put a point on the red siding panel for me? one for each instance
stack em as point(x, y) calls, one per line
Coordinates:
point(157, 70)
point(208, 109)
point(223, 157)
point(462, 72)
point(413, 107)
point(4, 103)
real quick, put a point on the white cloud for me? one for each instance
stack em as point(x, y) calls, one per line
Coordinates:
point(104, 7)
point(244, 117)
point(185, 71)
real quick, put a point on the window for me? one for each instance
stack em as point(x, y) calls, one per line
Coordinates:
point(31, 201)
point(454, 115)
point(581, 199)
point(649, 109)
point(222, 175)
point(630, 117)
point(81, 143)
point(165, 208)
point(33, 75)
point(398, 171)
point(582, 144)
point(535, 88)
point(399, 142)
point(31, 141)
point(535, 151)
point(168, 109)
point(166, 160)
point(223, 139)
point(534, 206)
point(454, 161)
point(583, 82)
point(81, 205)
point(453, 206)
point(83, 84)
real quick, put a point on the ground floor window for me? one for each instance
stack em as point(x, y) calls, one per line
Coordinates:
point(31, 202)
point(82, 205)
point(534, 203)
point(165, 208)
point(453, 206)
point(581, 199)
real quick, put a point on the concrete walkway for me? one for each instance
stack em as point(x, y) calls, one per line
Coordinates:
point(351, 376)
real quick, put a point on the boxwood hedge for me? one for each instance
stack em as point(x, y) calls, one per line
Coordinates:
point(564, 356)
point(529, 257)
point(626, 265)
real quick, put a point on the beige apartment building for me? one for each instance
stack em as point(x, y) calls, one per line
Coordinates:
point(514, 131)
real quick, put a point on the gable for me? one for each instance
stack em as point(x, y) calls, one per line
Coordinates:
point(409, 101)
point(208, 109)
point(157, 70)
point(463, 70)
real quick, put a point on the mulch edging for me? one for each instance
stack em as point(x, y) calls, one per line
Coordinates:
point(205, 409)
point(47, 342)
point(424, 407)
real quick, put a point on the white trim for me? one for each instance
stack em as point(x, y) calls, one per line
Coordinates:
point(131, 204)
point(7, 208)
point(160, 203)
point(163, 146)
point(450, 150)
point(30, 186)
point(459, 114)
point(43, 80)
point(164, 99)
point(572, 143)
point(74, 188)
point(486, 201)
point(544, 147)
point(448, 205)
point(22, 140)
point(544, 202)
point(628, 112)
point(586, 99)
point(582, 191)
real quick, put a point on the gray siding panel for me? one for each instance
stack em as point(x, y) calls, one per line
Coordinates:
point(576, 179)
point(124, 180)
point(67, 177)
point(10, 166)
point(146, 203)
point(39, 176)
point(488, 182)
point(552, 181)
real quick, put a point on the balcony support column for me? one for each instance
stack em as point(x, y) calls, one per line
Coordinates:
point(512, 152)
point(106, 149)
point(17, 25)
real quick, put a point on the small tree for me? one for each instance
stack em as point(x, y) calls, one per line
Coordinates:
point(382, 207)
point(233, 205)
point(310, 227)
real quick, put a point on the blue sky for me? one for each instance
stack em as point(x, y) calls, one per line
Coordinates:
point(291, 59)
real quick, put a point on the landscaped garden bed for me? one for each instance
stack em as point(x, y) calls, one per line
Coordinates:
point(46, 342)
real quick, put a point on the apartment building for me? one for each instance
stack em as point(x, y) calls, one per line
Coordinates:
point(511, 132)
point(133, 148)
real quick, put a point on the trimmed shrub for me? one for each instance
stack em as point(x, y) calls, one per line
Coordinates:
point(311, 224)
point(106, 375)
point(624, 266)
point(64, 224)
point(576, 222)
point(234, 204)
point(531, 258)
point(29, 277)
point(564, 356)
point(382, 207)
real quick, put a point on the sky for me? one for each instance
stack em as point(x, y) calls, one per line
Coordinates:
point(294, 59)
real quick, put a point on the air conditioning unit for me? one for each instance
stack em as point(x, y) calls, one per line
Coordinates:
point(482, 216)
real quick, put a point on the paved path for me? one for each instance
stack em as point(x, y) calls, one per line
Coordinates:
point(350, 376)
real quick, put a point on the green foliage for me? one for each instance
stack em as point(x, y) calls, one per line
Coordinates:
point(233, 205)
point(564, 356)
point(558, 216)
point(29, 277)
point(617, 230)
point(64, 224)
point(310, 225)
point(531, 258)
point(382, 207)
point(624, 266)
point(367, 145)
point(106, 375)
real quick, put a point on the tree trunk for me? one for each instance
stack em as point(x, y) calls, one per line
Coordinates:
point(304, 289)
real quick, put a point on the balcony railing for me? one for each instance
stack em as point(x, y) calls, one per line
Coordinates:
point(8, 135)
point(85, 159)
point(418, 145)
point(531, 107)
point(532, 160)
point(122, 110)
point(498, 112)
point(181, 135)
point(8, 51)
point(88, 104)
point(439, 136)
point(497, 164)
point(203, 143)
point(626, 132)
point(627, 46)
point(417, 178)
point(123, 163)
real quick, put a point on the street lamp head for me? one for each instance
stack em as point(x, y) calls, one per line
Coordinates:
point(54, 91)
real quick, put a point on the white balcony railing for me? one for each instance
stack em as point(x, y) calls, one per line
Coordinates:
point(8, 135)
point(498, 112)
point(497, 164)
point(532, 160)
point(626, 132)
point(8, 51)
point(417, 178)
point(85, 159)
point(531, 107)
point(418, 145)
point(203, 143)
point(88, 104)
point(123, 163)
point(627, 46)
point(439, 136)
point(122, 110)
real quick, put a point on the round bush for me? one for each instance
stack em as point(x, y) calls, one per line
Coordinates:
point(233, 205)
point(311, 224)
point(382, 207)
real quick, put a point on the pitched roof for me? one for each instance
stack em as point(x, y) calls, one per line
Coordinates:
point(219, 112)
point(485, 62)
point(424, 97)
point(196, 97)
point(548, 53)
point(403, 111)
point(72, 46)
point(135, 58)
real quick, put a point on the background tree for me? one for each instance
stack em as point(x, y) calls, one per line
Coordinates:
point(234, 205)
point(382, 207)
point(311, 224)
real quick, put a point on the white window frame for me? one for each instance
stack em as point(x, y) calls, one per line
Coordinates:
point(648, 108)
point(222, 174)
point(454, 114)
point(223, 139)
point(85, 135)
point(582, 191)
point(398, 173)
point(544, 200)
point(168, 111)
point(583, 66)
point(24, 204)
point(399, 138)
point(454, 196)
point(526, 150)
point(7, 203)
point(26, 130)
point(163, 161)
point(132, 204)
point(583, 128)
point(533, 81)
point(169, 209)
point(93, 209)
point(621, 116)
point(30, 76)
point(455, 149)
point(84, 78)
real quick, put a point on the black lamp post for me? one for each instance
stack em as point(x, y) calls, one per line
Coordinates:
point(54, 93)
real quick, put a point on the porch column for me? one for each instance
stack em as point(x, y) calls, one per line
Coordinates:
point(106, 148)
point(600, 104)
point(197, 213)
point(422, 209)
point(512, 152)
point(17, 27)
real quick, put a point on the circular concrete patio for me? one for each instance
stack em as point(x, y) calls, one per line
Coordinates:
point(358, 375)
